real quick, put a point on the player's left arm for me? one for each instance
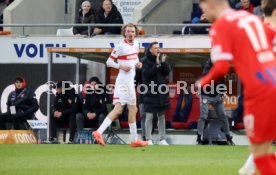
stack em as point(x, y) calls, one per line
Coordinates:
point(217, 72)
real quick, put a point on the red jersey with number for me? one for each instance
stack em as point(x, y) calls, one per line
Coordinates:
point(243, 39)
point(271, 32)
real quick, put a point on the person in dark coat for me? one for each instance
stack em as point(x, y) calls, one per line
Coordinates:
point(94, 106)
point(86, 15)
point(109, 14)
point(156, 99)
point(138, 82)
point(216, 101)
point(64, 111)
point(21, 105)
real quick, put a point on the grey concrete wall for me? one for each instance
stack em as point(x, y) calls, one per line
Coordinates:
point(169, 11)
point(38, 12)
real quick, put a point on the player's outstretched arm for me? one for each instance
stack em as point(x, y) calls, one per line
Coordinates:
point(219, 69)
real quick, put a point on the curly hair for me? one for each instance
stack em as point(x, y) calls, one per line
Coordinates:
point(130, 25)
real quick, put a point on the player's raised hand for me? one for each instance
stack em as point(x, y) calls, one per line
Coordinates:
point(125, 68)
point(139, 65)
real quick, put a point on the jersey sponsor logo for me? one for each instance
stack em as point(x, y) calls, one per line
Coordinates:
point(128, 57)
point(141, 45)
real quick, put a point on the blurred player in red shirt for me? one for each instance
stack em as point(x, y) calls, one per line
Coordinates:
point(240, 39)
point(269, 8)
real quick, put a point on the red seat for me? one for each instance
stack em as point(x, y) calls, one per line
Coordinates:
point(239, 125)
point(124, 124)
point(193, 117)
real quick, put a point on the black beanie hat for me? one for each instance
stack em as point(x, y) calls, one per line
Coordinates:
point(96, 79)
point(59, 84)
point(19, 79)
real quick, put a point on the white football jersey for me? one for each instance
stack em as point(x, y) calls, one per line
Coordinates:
point(125, 54)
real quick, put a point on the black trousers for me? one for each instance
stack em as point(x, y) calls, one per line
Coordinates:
point(13, 119)
point(61, 123)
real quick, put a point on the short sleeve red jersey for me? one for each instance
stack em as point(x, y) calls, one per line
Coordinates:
point(241, 38)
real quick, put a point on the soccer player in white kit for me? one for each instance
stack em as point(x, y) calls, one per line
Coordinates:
point(125, 58)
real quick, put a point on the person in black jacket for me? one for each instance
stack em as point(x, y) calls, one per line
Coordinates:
point(215, 100)
point(21, 105)
point(64, 111)
point(86, 15)
point(109, 14)
point(156, 99)
point(138, 82)
point(94, 106)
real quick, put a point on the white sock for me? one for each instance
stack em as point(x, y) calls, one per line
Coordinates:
point(106, 123)
point(133, 132)
point(249, 164)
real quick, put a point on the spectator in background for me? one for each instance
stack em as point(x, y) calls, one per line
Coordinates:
point(156, 100)
point(233, 3)
point(215, 100)
point(86, 15)
point(109, 14)
point(200, 30)
point(3, 5)
point(247, 6)
point(252, 6)
point(94, 106)
point(21, 105)
point(63, 111)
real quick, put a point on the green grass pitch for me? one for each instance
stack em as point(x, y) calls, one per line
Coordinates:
point(120, 160)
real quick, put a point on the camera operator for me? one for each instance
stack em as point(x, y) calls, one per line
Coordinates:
point(156, 99)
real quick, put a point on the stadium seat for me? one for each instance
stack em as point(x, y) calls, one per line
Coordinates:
point(193, 117)
point(238, 126)
point(65, 32)
point(5, 32)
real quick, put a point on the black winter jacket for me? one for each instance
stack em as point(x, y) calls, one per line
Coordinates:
point(66, 103)
point(24, 101)
point(208, 66)
point(94, 103)
point(89, 18)
point(158, 74)
point(114, 17)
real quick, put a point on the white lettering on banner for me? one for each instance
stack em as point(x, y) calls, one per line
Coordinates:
point(38, 92)
point(3, 136)
point(4, 97)
point(230, 100)
point(25, 138)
